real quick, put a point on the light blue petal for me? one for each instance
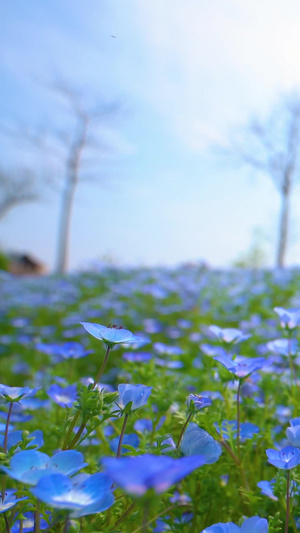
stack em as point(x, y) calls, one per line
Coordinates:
point(255, 524)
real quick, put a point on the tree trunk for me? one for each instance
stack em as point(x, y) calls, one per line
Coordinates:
point(64, 228)
point(283, 229)
point(72, 179)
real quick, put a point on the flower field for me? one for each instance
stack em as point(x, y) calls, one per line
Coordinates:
point(150, 400)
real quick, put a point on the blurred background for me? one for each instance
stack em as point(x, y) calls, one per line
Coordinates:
point(146, 132)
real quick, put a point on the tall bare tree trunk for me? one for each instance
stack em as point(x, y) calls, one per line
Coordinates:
point(283, 229)
point(64, 228)
point(72, 178)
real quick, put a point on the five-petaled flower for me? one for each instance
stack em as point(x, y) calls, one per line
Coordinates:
point(83, 495)
point(229, 335)
point(138, 474)
point(30, 466)
point(255, 524)
point(289, 318)
point(287, 458)
point(113, 335)
point(136, 394)
point(242, 366)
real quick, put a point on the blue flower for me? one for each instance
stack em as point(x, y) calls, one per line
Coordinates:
point(293, 432)
point(28, 524)
point(287, 458)
point(199, 401)
point(196, 441)
point(63, 396)
point(29, 466)
point(138, 474)
point(15, 394)
point(83, 495)
point(15, 437)
point(137, 357)
point(283, 346)
point(68, 350)
point(137, 394)
point(255, 524)
point(113, 335)
point(229, 335)
point(289, 318)
point(247, 430)
point(242, 366)
point(9, 501)
point(266, 488)
point(131, 440)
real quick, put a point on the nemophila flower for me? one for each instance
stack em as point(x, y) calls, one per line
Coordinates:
point(68, 350)
point(198, 402)
point(15, 394)
point(113, 335)
point(137, 394)
point(89, 381)
point(138, 474)
point(143, 425)
point(63, 396)
point(228, 335)
point(168, 364)
point(164, 349)
point(15, 437)
point(162, 525)
point(289, 318)
point(16, 415)
point(266, 488)
point(131, 440)
point(283, 346)
point(83, 495)
point(283, 413)
point(293, 432)
point(242, 366)
point(28, 524)
point(196, 441)
point(3, 427)
point(229, 427)
point(29, 466)
point(255, 524)
point(211, 350)
point(287, 458)
point(137, 357)
point(9, 501)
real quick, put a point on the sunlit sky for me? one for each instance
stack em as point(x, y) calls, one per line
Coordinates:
point(187, 72)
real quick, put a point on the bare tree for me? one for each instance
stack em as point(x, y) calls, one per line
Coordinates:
point(272, 146)
point(16, 187)
point(75, 146)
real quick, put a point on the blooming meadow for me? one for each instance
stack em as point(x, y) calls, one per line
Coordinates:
point(150, 400)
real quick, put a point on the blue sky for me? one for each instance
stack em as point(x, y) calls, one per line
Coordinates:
point(187, 73)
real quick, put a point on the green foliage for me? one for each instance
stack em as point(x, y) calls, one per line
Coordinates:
point(4, 261)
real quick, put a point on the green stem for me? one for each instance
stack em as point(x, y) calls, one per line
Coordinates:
point(195, 504)
point(96, 381)
point(183, 430)
point(37, 518)
point(237, 462)
point(6, 523)
point(238, 420)
point(287, 503)
point(162, 513)
point(293, 376)
point(6, 429)
point(122, 435)
point(77, 436)
point(125, 514)
point(66, 525)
